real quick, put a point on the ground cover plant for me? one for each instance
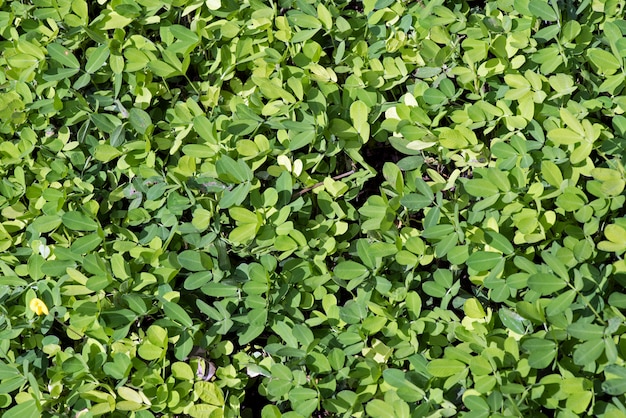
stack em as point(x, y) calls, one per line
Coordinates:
point(317, 208)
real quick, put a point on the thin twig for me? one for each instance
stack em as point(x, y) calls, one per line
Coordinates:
point(321, 183)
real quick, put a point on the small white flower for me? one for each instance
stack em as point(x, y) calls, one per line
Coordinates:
point(44, 250)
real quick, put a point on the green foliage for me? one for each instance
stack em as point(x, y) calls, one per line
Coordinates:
point(312, 208)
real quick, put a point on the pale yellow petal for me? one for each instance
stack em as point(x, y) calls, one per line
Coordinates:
point(38, 306)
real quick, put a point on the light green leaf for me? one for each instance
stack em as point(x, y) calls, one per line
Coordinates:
point(551, 173)
point(85, 244)
point(588, 352)
point(473, 308)
point(78, 221)
point(513, 321)
point(26, 409)
point(62, 55)
point(499, 242)
point(46, 223)
point(183, 34)
point(209, 392)
point(106, 153)
point(362, 247)
point(140, 120)
point(176, 313)
point(231, 170)
point(243, 233)
point(605, 62)
point(545, 283)
point(564, 136)
point(97, 59)
point(358, 114)
point(377, 408)
point(481, 188)
point(445, 367)
point(483, 260)
point(348, 270)
point(540, 352)
point(585, 331)
point(542, 10)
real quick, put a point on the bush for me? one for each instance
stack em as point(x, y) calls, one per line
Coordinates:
point(312, 208)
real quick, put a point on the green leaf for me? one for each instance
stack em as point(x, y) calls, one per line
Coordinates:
point(270, 411)
point(253, 330)
point(542, 10)
point(233, 171)
point(97, 59)
point(140, 120)
point(570, 201)
point(301, 140)
point(26, 409)
point(415, 202)
point(348, 270)
point(618, 300)
point(605, 62)
point(615, 383)
point(62, 55)
point(163, 69)
point(382, 249)
point(377, 408)
point(243, 233)
point(182, 371)
point(366, 257)
point(194, 260)
point(445, 367)
point(197, 280)
point(438, 231)
point(481, 188)
point(551, 173)
point(35, 263)
point(545, 283)
point(304, 21)
point(434, 96)
point(513, 321)
point(358, 113)
point(476, 403)
point(473, 308)
point(176, 313)
point(561, 303)
point(499, 242)
point(588, 352)
point(105, 153)
point(85, 244)
point(105, 122)
point(585, 331)
point(22, 61)
point(556, 265)
point(209, 392)
point(183, 34)
point(413, 304)
point(540, 352)
point(564, 136)
point(352, 312)
point(97, 283)
point(483, 260)
point(235, 196)
point(204, 128)
point(78, 221)
point(217, 289)
point(46, 223)
point(213, 4)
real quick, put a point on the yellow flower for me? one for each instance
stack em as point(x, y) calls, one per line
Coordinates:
point(38, 306)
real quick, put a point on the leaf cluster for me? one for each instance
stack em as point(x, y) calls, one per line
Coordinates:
point(312, 208)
